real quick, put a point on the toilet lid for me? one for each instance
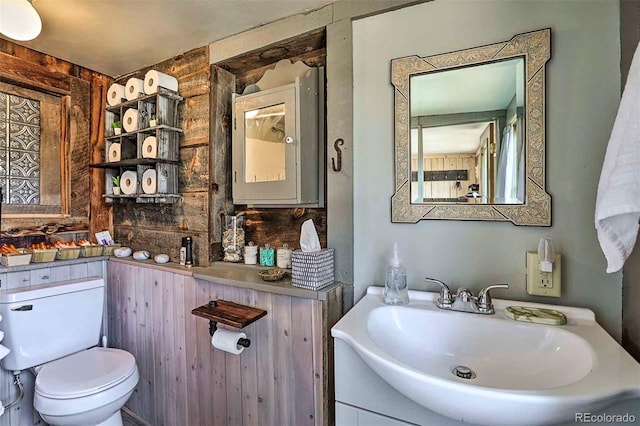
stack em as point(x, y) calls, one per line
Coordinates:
point(84, 373)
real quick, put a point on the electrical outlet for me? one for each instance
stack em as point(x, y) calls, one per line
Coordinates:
point(543, 283)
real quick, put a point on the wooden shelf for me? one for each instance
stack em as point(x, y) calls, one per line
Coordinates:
point(144, 198)
point(145, 130)
point(133, 162)
point(229, 313)
point(164, 105)
point(146, 98)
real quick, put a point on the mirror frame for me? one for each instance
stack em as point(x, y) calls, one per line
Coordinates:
point(535, 48)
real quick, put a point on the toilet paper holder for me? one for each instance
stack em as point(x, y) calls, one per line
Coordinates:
point(229, 313)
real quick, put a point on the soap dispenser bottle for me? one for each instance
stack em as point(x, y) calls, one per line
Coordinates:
point(395, 288)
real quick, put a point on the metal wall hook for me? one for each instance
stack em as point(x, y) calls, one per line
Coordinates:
point(336, 145)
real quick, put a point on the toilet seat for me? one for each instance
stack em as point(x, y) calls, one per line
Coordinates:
point(86, 388)
point(84, 373)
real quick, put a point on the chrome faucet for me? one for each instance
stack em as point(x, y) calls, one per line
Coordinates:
point(464, 301)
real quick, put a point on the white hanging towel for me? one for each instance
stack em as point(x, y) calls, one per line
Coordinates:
point(618, 201)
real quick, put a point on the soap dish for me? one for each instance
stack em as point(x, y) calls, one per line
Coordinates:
point(274, 274)
point(535, 315)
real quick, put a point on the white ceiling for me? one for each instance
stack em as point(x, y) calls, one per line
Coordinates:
point(456, 139)
point(478, 88)
point(116, 37)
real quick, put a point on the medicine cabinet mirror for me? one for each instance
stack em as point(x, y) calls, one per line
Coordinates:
point(470, 133)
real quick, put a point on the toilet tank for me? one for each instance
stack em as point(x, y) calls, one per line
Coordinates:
point(46, 322)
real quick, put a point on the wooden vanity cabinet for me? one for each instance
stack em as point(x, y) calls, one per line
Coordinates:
point(285, 377)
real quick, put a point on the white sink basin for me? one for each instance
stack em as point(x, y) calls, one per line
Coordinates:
point(524, 373)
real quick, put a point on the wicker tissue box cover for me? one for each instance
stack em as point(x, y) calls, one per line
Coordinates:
point(312, 270)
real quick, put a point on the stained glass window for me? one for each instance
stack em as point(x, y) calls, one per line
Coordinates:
point(19, 149)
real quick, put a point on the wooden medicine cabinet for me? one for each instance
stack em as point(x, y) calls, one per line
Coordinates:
point(277, 137)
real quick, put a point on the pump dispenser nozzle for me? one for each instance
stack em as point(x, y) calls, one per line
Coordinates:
point(395, 259)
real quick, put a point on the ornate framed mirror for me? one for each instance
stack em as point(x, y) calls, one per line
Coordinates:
point(470, 133)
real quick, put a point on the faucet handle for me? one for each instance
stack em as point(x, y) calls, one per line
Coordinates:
point(445, 300)
point(484, 298)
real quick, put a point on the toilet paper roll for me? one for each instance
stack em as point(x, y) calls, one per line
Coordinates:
point(149, 181)
point(150, 147)
point(154, 79)
point(134, 88)
point(227, 340)
point(131, 120)
point(115, 94)
point(114, 152)
point(129, 182)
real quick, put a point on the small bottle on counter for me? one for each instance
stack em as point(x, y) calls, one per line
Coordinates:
point(266, 255)
point(187, 242)
point(183, 254)
point(251, 254)
point(396, 291)
point(284, 257)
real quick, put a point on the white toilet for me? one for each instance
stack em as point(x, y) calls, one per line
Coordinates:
point(48, 329)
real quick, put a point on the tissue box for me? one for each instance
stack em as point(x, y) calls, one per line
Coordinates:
point(312, 270)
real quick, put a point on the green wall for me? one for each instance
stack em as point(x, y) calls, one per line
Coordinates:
point(583, 92)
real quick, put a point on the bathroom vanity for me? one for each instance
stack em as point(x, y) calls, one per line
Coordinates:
point(396, 365)
point(284, 377)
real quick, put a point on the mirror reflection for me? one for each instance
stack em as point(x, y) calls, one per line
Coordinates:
point(467, 134)
point(265, 144)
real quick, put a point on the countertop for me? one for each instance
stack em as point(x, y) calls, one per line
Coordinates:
point(235, 275)
point(53, 264)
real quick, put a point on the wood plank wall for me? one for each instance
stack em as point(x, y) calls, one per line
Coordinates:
point(85, 91)
point(268, 225)
point(446, 189)
point(205, 153)
point(283, 378)
point(159, 228)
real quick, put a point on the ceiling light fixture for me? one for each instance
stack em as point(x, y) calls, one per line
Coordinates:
point(19, 20)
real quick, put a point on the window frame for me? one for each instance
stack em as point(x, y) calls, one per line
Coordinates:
point(34, 211)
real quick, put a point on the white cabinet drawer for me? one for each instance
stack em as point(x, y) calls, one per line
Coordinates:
point(40, 276)
point(18, 279)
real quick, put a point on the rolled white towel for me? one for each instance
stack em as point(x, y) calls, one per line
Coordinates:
point(618, 203)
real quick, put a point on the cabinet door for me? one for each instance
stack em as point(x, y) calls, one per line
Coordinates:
point(78, 271)
point(346, 415)
point(18, 279)
point(265, 147)
point(59, 273)
point(40, 276)
point(95, 269)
